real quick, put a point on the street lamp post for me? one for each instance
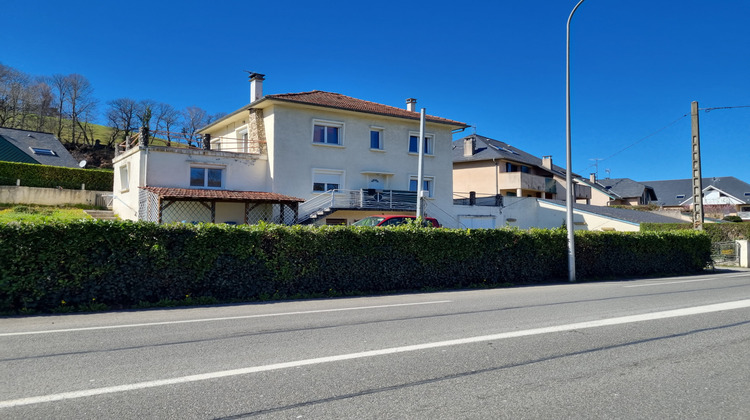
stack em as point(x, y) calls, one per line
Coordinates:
point(569, 162)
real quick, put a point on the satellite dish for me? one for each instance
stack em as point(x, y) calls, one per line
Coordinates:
point(82, 163)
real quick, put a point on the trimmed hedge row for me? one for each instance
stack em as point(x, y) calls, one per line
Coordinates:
point(43, 176)
point(717, 232)
point(120, 264)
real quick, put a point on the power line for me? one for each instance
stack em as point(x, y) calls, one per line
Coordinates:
point(640, 140)
point(723, 107)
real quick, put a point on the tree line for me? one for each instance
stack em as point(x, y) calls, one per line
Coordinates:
point(65, 106)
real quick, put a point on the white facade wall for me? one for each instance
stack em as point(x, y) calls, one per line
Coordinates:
point(293, 157)
point(526, 213)
point(170, 167)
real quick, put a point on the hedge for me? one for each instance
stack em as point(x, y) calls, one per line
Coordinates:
point(33, 175)
point(121, 264)
point(717, 232)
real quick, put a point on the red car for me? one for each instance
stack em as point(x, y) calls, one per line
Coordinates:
point(394, 220)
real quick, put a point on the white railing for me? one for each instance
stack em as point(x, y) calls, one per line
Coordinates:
point(357, 199)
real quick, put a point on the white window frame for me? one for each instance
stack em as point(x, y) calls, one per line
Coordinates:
point(124, 177)
point(327, 173)
point(380, 131)
point(207, 168)
point(243, 143)
point(428, 179)
point(429, 144)
point(327, 123)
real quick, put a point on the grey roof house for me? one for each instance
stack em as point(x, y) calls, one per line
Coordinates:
point(34, 147)
point(491, 167)
point(725, 192)
point(620, 191)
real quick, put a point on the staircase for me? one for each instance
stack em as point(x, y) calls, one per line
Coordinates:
point(101, 214)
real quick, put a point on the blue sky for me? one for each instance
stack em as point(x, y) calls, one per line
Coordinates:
point(497, 65)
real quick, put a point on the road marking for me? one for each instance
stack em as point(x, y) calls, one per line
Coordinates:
point(680, 281)
point(229, 318)
point(373, 353)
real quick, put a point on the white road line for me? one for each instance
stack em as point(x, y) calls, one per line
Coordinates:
point(229, 318)
point(394, 350)
point(678, 281)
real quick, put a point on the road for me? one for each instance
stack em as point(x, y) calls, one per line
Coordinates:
point(669, 348)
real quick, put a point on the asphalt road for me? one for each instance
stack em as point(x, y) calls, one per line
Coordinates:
point(652, 348)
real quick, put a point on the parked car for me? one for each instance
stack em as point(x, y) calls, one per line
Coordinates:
point(394, 220)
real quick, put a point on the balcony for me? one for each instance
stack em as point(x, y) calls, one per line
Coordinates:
point(381, 200)
point(524, 181)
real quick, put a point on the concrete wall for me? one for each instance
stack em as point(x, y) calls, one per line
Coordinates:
point(48, 196)
point(526, 213)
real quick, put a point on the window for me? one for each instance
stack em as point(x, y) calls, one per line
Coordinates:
point(525, 169)
point(327, 132)
point(681, 196)
point(243, 141)
point(376, 138)
point(124, 178)
point(414, 145)
point(206, 177)
point(509, 167)
point(427, 184)
point(327, 180)
point(43, 152)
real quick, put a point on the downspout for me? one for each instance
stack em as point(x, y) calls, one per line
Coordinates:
point(497, 185)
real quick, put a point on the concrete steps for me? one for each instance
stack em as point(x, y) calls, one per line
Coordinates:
point(101, 214)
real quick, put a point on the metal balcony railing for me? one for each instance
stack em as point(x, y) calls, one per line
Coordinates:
point(329, 201)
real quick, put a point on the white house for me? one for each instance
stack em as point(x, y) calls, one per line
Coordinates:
point(346, 158)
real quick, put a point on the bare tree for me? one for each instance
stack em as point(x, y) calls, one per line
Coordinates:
point(81, 103)
point(61, 87)
point(121, 117)
point(13, 84)
point(193, 119)
point(166, 119)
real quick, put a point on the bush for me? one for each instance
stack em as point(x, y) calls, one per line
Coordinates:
point(43, 176)
point(125, 264)
point(717, 232)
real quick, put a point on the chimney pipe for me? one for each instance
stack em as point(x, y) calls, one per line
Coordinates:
point(256, 86)
point(592, 177)
point(411, 104)
point(470, 146)
point(547, 162)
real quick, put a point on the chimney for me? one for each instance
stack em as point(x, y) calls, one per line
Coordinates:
point(547, 162)
point(592, 177)
point(470, 146)
point(256, 86)
point(411, 104)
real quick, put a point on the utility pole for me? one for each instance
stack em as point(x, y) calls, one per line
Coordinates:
point(697, 179)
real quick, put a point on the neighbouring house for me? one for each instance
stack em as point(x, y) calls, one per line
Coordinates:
point(722, 196)
point(483, 167)
point(619, 191)
point(310, 157)
point(34, 147)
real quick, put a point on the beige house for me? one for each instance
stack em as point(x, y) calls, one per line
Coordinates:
point(485, 167)
point(310, 157)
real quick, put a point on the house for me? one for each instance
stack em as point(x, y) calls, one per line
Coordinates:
point(619, 191)
point(309, 157)
point(34, 147)
point(486, 167)
point(721, 195)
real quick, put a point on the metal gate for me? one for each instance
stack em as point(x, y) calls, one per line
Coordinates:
point(725, 253)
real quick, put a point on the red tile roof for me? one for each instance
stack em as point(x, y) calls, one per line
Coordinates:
point(220, 195)
point(339, 101)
